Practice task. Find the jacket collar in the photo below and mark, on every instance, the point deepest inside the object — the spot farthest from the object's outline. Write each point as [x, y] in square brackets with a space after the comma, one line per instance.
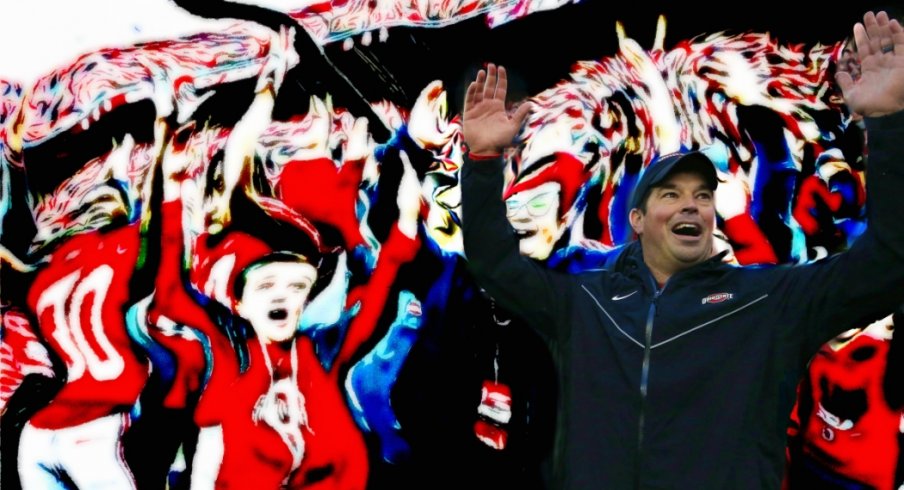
[630, 263]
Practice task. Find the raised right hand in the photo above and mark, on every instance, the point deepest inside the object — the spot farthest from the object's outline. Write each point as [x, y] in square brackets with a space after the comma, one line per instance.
[880, 89]
[487, 127]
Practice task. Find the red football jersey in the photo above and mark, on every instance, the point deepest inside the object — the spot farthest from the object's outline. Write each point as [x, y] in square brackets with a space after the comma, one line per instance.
[79, 299]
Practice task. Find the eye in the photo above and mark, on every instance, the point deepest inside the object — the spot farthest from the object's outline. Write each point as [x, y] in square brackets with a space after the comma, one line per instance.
[706, 196]
[299, 286]
[264, 285]
[669, 195]
[539, 205]
[863, 353]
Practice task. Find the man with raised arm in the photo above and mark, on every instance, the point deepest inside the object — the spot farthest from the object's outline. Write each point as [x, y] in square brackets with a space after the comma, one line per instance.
[677, 370]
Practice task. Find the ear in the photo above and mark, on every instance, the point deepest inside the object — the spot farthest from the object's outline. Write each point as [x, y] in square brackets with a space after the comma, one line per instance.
[636, 217]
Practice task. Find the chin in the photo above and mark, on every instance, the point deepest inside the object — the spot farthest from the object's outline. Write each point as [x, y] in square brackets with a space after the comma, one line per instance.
[281, 338]
[527, 252]
[530, 247]
[696, 258]
[278, 336]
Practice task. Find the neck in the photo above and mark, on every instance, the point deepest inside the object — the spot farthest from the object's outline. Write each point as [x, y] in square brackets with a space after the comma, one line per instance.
[279, 358]
[660, 270]
[278, 346]
[659, 274]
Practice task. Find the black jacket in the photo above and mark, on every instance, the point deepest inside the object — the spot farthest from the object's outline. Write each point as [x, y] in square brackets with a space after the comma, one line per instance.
[690, 386]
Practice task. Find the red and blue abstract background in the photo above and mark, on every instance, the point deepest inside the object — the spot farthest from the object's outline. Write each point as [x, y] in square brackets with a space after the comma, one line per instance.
[139, 179]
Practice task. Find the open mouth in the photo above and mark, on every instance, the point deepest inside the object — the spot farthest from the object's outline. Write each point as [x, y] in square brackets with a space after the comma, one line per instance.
[834, 420]
[278, 314]
[687, 229]
[841, 408]
[523, 234]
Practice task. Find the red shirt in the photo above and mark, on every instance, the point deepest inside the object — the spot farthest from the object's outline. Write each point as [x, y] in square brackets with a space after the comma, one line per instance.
[80, 299]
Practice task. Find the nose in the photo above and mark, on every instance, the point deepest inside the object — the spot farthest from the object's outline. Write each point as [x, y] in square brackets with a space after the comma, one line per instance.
[689, 204]
[521, 216]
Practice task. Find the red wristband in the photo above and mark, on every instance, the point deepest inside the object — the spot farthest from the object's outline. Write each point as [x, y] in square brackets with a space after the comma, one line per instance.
[483, 156]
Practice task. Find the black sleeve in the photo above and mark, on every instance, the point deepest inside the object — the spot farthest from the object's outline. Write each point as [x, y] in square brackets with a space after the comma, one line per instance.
[524, 287]
[866, 282]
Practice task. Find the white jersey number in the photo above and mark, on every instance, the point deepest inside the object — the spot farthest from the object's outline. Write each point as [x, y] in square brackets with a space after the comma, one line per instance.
[71, 335]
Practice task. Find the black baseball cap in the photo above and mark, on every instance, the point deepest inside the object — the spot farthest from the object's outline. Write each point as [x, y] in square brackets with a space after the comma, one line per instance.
[666, 165]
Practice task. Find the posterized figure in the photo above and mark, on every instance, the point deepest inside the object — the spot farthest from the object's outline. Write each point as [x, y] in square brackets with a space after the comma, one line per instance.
[83, 136]
[269, 414]
[850, 405]
[301, 419]
[473, 384]
[328, 173]
[370, 381]
[740, 235]
[829, 204]
[78, 299]
[88, 237]
[395, 350]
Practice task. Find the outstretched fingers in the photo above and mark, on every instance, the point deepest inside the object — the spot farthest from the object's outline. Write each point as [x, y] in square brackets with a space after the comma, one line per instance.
[489, 86]
[471, 95]
[521, 113]
[871, 25]
[475, 90]
[501, 84]
[881, 34]
[880, 46]
[861, 39]
[897, 35]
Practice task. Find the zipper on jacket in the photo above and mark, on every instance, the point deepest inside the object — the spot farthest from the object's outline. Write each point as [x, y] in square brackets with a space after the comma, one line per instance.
[644, 381]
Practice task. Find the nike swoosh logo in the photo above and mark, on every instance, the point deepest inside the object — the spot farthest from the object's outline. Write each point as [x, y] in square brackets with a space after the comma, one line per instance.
[620, 297]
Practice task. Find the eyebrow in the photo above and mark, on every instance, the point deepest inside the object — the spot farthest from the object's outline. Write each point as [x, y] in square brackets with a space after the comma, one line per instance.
[521, 199]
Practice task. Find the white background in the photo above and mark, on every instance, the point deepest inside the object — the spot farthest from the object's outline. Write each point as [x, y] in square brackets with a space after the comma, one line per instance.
[39, 35]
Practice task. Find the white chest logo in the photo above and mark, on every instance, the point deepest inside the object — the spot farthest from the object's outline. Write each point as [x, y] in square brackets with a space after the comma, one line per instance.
[619, 297]
[282, 408]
